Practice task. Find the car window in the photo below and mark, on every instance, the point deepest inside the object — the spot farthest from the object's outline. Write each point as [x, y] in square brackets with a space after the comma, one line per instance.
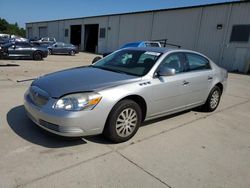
[148, 56]
[135, 44]
[51, 39]
[152, 44]
[23, 45]
[174, 61]
[59, 44]
[197, 62]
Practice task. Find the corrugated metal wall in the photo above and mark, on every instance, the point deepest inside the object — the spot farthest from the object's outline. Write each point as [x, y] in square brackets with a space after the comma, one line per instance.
[192, 28]
[210, 39]
[113, 31]
[178, 26]
[135, 27]
[240, 14]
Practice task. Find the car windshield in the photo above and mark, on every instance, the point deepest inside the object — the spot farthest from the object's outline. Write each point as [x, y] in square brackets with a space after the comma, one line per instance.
[133, 62]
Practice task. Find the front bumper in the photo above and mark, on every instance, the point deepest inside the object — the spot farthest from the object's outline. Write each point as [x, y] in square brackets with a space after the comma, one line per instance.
[64, 123]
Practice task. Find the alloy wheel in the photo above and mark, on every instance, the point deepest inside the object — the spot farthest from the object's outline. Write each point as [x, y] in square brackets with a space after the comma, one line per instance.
[126, 122]
[214, 101]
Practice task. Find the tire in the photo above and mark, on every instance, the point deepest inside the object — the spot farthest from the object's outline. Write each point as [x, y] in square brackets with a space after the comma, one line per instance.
[37, 56]
[123, 122]
[50, 52]
[213, 100]
[96, 59]
[72, 52]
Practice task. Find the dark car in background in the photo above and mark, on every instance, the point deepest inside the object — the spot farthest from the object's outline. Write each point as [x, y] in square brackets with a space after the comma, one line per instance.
[23, 50]
[3, 40]
[62, 48]
[43, 41]
[47, 40]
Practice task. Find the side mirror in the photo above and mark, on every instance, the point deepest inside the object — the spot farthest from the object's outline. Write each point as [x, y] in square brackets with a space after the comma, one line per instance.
[166, 72]
[96, 59]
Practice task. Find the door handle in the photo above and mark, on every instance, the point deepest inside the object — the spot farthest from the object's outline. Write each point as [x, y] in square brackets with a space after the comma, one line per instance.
[209, 78]
[185, 83]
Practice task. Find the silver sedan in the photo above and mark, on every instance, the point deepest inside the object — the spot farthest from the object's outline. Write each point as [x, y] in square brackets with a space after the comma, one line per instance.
[116, 94]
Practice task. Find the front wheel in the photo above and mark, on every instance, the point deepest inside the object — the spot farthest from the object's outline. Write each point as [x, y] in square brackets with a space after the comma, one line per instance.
[37, 56]
[213, 100]
[123, 121]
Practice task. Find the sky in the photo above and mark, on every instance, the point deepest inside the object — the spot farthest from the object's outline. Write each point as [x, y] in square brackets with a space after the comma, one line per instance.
[23, 11]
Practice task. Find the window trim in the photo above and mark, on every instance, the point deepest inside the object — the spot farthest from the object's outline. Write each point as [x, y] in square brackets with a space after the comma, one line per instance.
[187, 63]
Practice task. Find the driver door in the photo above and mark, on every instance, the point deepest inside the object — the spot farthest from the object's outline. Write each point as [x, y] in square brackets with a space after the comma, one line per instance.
[168, 92]
[19, 50]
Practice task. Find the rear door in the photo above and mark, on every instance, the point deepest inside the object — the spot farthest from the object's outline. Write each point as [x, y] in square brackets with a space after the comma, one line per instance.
[65, 48]
[58, 48]
[198, 78]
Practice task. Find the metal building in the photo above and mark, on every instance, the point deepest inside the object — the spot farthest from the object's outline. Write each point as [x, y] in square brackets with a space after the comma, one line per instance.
[220, 31]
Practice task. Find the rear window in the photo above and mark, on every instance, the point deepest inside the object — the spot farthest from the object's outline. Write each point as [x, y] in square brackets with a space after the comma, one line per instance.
[197, 62]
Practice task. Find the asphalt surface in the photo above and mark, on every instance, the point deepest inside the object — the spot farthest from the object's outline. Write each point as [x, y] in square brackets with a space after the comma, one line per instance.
[189, 149]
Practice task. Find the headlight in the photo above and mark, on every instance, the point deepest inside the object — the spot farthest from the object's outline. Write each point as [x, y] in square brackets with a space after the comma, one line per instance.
[78, 101]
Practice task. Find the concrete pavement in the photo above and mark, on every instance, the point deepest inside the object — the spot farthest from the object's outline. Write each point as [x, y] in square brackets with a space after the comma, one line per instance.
[190, 149]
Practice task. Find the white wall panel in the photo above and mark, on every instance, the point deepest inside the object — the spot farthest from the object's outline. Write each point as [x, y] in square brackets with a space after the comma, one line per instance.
[135, 27]
[210, 40]
[178, 26]
[240, 14]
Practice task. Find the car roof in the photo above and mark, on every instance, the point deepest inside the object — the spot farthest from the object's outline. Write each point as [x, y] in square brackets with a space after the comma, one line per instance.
[152, 49]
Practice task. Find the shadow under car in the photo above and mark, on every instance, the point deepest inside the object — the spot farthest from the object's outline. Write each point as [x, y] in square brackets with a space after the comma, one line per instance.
[25, 128]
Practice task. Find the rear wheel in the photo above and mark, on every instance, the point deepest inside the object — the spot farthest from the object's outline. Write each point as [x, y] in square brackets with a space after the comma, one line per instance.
[50, 52]
[213, 100]
[37, 56]
[72, 52]
[96, 59]
[123, 121]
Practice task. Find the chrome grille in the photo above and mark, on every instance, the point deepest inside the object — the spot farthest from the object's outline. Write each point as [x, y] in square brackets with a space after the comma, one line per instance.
[38, 96]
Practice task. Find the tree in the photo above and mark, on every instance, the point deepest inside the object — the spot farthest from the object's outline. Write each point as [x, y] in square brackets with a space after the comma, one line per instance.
[12, 29]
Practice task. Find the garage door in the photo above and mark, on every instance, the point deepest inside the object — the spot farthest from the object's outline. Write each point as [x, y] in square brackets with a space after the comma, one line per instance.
[43, 32]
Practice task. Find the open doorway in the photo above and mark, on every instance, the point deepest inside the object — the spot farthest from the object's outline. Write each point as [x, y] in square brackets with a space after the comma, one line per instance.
[76, 35]
[91, 38]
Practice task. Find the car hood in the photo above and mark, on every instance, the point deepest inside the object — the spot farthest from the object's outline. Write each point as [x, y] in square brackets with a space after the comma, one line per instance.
[81, 79]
